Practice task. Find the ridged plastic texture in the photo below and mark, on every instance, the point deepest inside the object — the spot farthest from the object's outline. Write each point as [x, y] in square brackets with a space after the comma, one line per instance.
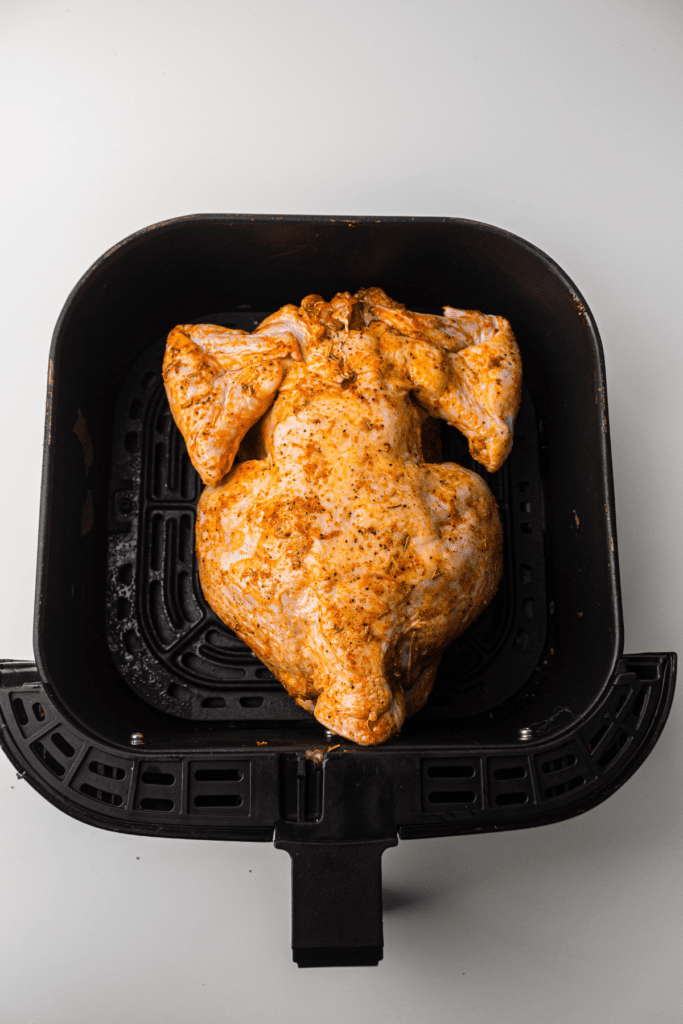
[248, 791]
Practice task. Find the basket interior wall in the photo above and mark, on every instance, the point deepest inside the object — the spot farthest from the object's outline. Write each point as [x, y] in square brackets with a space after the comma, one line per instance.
[176, 273]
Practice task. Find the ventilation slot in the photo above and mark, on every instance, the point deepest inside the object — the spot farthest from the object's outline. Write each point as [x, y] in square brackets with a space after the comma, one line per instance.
[179, 692]
[48, 759]
[564, 787]
[103, 780]
[215, 669]
[159, 787]
[613, 750]
[251, 702]
[558, 764]
[221, 788]
[450, 771]
[156, 548]
[218, 800]
[152, 777]
[599, 735]
[159, 470]
[459, 796]
[154, 803]
[186, 598]
[101, 794]
[107, 771]
[185, 540]
[441, 791]
[62, 745]
[620, 703]
[29, 713]
[19, 711]
[638, 707]
[164, 420]
[518, 772]
[126, 574]
[165, 631]
[188, 477]
[225, 642]
[175, 446]
[132, 641]
[505, 799]
[218, 775]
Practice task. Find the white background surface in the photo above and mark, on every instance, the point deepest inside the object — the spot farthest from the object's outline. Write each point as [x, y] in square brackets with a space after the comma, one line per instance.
[558, 121]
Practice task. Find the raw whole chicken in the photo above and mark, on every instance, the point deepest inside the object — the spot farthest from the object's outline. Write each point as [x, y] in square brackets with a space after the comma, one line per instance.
[330, 545]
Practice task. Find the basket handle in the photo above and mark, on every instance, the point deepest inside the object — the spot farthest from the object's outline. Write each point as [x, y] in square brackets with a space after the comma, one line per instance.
[336, 902]
[337, 861]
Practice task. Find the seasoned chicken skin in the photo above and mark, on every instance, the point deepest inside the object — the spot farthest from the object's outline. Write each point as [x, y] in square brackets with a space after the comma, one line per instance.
[343, 558]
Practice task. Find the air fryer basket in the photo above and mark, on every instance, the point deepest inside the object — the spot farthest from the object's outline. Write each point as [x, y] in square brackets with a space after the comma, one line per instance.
[146, 714]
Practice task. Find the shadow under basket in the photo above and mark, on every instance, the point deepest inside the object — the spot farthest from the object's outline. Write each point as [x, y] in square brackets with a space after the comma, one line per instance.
[145, 714]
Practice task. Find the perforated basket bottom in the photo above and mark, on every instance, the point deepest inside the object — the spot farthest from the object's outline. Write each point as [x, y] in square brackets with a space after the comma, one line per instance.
[171, 648]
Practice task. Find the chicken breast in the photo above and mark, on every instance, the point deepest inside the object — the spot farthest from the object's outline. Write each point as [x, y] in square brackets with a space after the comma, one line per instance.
[334, 550]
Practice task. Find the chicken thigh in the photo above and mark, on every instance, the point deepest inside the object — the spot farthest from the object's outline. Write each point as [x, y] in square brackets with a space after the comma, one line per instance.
[344, 559]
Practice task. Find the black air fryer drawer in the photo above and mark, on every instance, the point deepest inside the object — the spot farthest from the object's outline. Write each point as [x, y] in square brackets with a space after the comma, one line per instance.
[146, 715]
